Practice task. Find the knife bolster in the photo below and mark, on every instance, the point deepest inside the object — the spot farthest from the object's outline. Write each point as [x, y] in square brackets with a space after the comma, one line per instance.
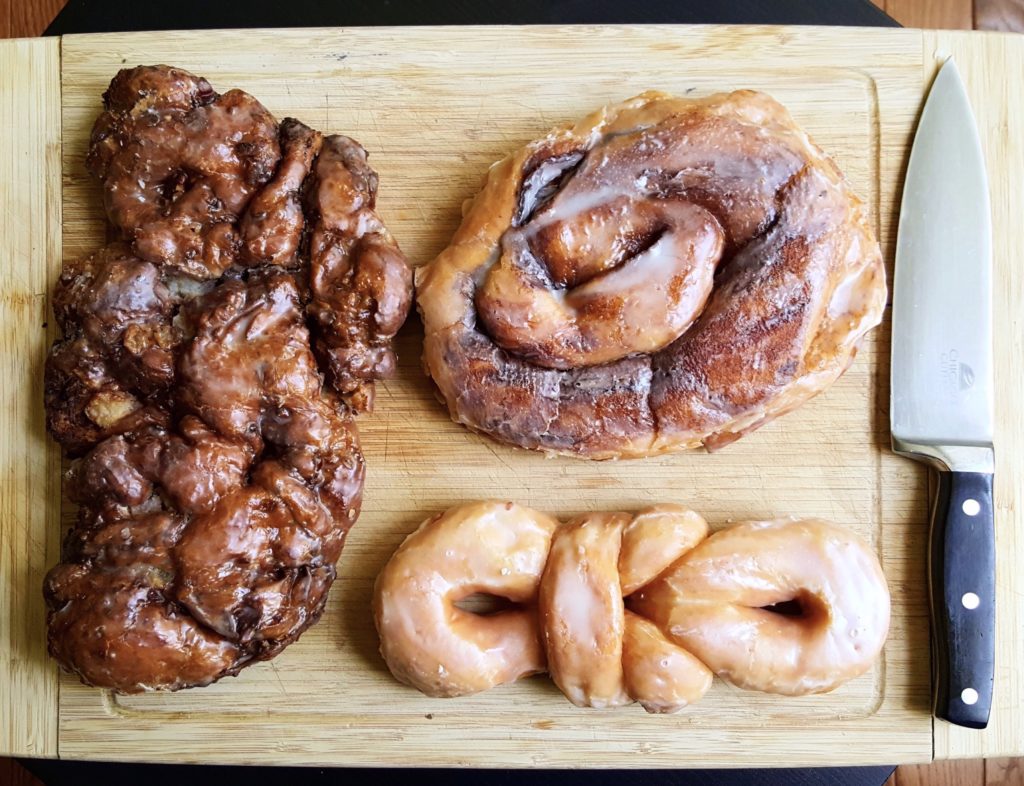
[948, 458]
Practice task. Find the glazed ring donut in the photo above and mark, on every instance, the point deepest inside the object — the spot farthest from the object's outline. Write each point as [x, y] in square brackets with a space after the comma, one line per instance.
[667, 273]
[717, 602]
[621, 608]
[415, 599]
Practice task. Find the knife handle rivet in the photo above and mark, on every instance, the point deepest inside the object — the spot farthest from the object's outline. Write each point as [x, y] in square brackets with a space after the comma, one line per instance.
[969, 696]
[970, 600]
[971, 507]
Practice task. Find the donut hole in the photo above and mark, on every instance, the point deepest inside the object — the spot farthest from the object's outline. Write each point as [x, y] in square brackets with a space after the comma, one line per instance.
[803, 606]
[174, 185]
[787, 608]
[485, 604]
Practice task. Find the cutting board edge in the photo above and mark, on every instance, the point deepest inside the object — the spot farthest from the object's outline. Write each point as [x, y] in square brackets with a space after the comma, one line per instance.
[30, 194]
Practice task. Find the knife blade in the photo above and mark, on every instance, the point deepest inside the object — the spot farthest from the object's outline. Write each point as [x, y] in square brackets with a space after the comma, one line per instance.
[942, 387]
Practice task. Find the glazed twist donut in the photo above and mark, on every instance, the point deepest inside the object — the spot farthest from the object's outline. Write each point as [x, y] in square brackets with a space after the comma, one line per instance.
[667, 273]
[788, 606]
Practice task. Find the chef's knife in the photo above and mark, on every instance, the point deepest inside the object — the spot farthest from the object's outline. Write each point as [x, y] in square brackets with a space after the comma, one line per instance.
[942, 386]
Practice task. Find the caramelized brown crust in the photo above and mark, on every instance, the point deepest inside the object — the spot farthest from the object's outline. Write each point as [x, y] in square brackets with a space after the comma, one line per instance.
[665, 274]
[218, 476]
[273, 225]
[361, 287]
[113, 368]
[179, 163]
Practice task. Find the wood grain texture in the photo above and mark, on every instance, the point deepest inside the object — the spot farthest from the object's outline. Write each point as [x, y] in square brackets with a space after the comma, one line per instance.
[13, 774]
[944, 14]
[1004, 772]
[27, 18]
[30, 17]
[29, 463]
[941, 773]
[960, 772]
[435, 107]
[1007, 15]
[947, 14]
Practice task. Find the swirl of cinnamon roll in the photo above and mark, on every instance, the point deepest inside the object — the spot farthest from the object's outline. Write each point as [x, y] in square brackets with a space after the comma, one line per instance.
[664, 274]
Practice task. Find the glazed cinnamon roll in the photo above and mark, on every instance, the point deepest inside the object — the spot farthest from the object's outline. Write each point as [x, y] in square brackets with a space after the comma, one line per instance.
[666, 273]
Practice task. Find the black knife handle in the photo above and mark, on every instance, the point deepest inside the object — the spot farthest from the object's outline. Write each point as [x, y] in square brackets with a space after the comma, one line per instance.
[963, 585]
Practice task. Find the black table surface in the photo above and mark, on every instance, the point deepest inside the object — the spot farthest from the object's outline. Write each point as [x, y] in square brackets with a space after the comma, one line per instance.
[96, 16]
[102, 16]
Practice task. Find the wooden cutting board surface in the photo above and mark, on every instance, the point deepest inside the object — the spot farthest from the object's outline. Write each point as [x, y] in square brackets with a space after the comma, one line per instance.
[436, 106]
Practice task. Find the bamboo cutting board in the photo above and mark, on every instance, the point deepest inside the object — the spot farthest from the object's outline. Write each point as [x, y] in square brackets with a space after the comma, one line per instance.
[435, 106]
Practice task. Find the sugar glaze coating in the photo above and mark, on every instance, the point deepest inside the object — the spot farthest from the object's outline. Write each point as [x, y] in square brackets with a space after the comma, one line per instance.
[666, 273]
[622, 608]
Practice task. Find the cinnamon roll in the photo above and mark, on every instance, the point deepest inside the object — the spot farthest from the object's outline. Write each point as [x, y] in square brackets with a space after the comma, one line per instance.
[664, 274]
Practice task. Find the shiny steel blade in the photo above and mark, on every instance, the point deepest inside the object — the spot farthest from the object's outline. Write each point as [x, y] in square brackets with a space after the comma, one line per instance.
[942, 293]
